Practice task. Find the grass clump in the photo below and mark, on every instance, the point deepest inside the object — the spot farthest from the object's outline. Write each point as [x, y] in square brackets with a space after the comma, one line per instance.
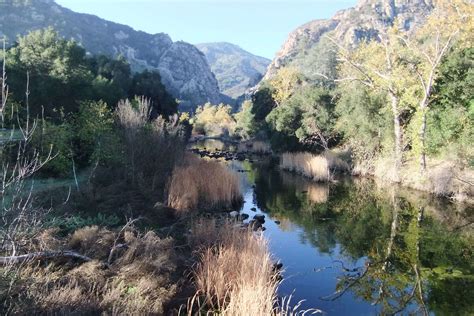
[235, 274]
[317, 167]
[200, 184]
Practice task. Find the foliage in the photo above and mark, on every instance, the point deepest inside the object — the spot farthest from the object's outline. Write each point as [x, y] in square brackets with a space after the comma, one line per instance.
[58, 73]
[263, 102]
[113, 78]
[246, 126]
[363, 120]
[214, 120]
[93, 124]
[450, 123]
[307, 115]
[56, 139]
[148, 84]
[284, 83]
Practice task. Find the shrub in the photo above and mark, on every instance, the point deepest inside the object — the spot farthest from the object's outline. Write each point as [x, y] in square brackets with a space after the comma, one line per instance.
[203, 184]
[152, 147]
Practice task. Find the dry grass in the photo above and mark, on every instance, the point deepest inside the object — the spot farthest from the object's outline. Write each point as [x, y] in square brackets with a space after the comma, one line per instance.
[137, 281]
[442, 178]
[317, 167]
[309, 165]
[203, 184]
[235, 274]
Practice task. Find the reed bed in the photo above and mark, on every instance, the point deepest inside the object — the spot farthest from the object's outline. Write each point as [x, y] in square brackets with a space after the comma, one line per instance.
[201, 184]
[235, 274]
[309, 165]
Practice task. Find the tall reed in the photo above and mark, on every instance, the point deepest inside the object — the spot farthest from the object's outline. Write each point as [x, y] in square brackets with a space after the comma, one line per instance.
[235, 274]
[203, 184]
[309, 165]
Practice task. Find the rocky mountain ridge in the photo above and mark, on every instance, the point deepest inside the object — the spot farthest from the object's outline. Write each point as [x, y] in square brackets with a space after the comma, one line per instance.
[184, 69]
[349, 27]
[236, 69]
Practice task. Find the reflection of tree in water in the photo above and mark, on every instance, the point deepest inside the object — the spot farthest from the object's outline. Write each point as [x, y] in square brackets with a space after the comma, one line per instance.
[414, 263]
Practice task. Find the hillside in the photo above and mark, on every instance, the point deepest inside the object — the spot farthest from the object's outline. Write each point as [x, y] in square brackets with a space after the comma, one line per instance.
[236, 69]
[184, 69]
[309, 49]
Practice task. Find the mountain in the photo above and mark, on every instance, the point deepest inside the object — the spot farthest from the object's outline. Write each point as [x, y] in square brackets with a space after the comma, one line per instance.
[309, 49]
[183, 68]
[236, 69]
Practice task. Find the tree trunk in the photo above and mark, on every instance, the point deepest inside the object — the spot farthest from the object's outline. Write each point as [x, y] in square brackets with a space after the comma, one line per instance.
[397, 129]
[422, 137]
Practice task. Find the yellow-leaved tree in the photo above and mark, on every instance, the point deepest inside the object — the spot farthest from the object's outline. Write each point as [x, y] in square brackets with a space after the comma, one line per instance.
[449, 25]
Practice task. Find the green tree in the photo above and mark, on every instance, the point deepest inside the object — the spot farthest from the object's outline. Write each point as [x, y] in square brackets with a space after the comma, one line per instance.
[263, 102]
[364, 121]
[307, 115]
[450, 122]
[246, 126]
[113, 78]
[57, 71]
[149, 85]
[93, 127]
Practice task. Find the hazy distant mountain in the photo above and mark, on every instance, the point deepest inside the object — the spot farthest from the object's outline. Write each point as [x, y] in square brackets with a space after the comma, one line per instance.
[308, 49]
[184, 69]
[236, 69]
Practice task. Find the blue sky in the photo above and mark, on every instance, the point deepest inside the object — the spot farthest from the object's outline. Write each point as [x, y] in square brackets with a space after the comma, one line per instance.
[259, 26]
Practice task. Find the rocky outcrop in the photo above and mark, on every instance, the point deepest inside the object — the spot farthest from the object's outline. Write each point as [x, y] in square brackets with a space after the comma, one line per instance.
[236, 69]
[185, 71]
[349, 27]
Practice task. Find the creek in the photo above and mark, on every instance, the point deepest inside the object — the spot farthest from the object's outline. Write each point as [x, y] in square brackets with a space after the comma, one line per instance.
[358, 247]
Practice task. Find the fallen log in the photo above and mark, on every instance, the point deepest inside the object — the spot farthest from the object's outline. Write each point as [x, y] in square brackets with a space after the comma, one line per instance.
[43, 255]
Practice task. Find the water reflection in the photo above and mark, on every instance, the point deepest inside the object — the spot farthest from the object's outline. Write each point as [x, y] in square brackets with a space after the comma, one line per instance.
[393, 251]
[357, 247]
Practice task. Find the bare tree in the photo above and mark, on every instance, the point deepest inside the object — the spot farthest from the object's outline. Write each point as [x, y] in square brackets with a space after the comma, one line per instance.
[19, 162]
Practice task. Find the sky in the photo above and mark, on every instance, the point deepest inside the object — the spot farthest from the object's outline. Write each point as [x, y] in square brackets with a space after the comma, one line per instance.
[258, 26]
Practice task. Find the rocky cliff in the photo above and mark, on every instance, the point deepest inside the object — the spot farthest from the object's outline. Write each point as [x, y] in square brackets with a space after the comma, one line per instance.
[236, 69]
[184, 69]
[347, 27]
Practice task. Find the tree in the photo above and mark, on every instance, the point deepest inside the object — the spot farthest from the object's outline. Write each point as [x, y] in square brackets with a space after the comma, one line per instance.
[57, 70]
[214, 120]
[113, 78]
[381, 66]
[449, 122]
[284, 83]
[263, 102]
[148, 84]
[425, 52]
[307, 115]
[246, 126]
[364, 120]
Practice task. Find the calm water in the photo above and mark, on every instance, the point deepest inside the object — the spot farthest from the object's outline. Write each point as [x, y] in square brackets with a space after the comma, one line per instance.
[355, 248]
